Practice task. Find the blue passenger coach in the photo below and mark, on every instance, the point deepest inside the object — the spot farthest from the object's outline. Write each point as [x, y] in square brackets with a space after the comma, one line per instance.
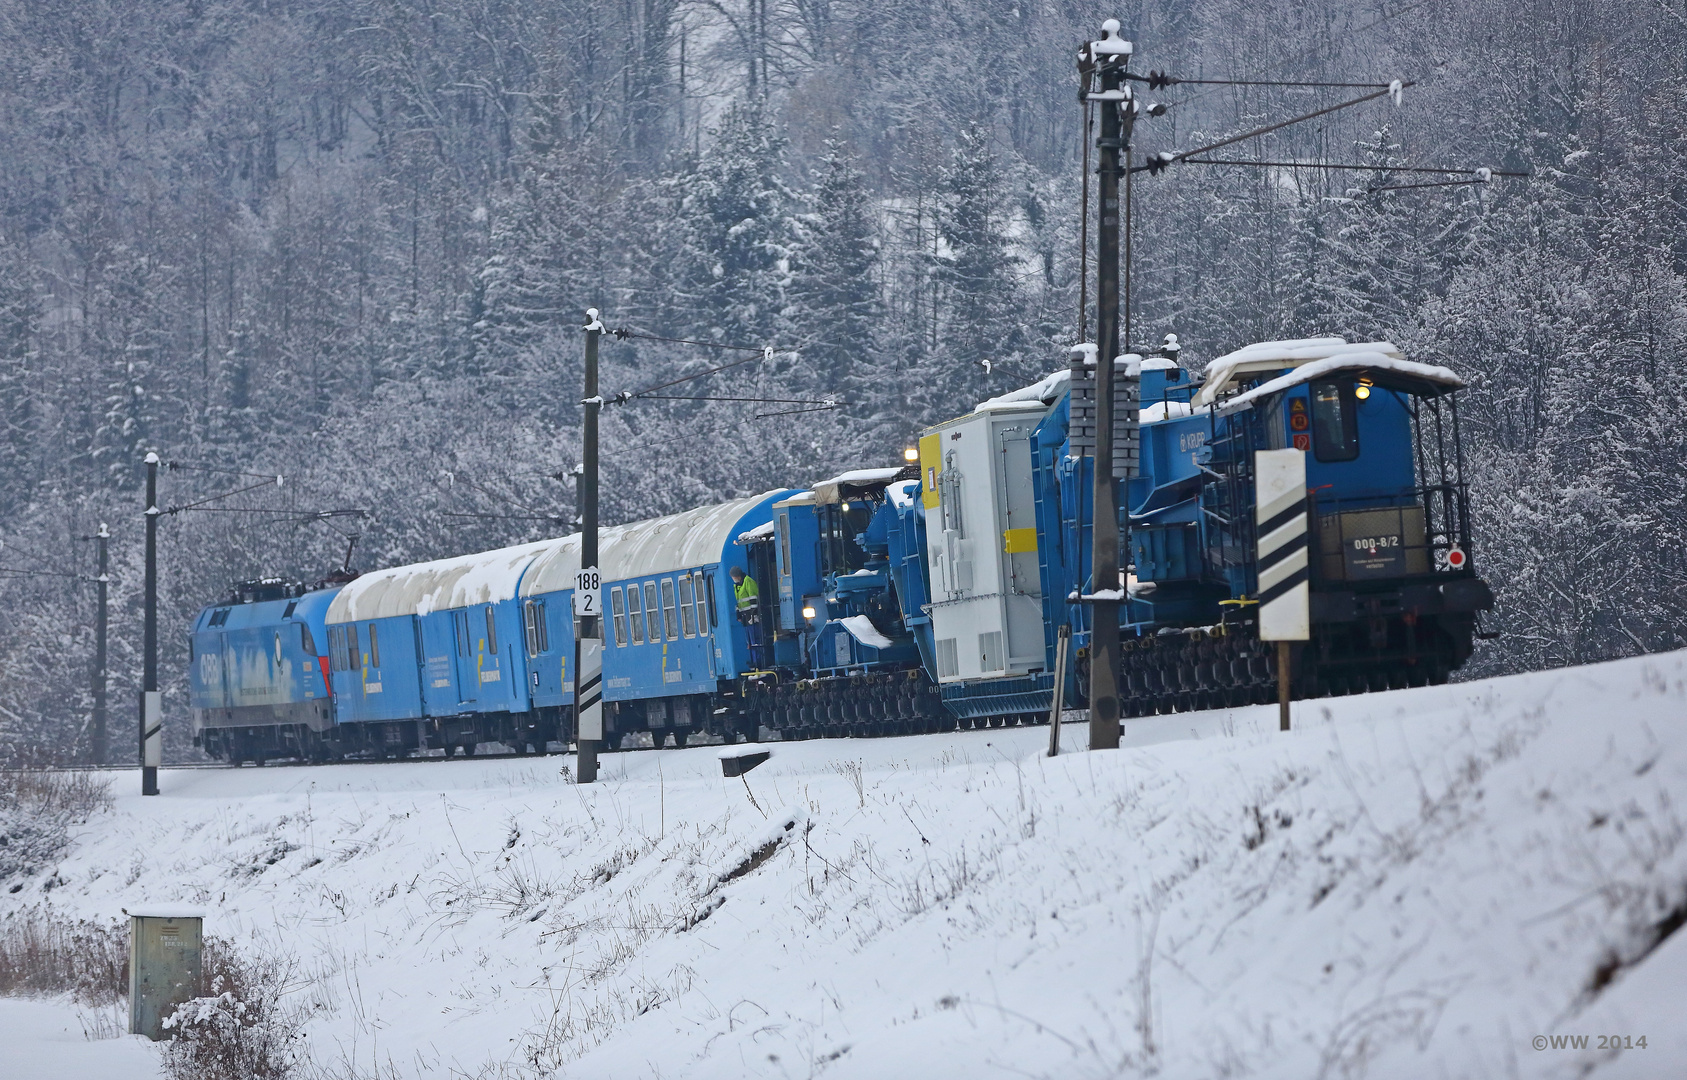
[671, 634]
[434, 655]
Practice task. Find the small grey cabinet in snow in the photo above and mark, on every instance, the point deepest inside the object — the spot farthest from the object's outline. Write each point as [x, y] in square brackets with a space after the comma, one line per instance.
[164, 964]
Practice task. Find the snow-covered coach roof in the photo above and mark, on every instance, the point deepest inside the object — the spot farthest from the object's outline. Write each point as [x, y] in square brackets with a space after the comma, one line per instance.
[482, 578]
[693, 538]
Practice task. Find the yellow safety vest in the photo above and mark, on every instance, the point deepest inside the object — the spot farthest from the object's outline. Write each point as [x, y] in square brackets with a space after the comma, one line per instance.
[746, 593]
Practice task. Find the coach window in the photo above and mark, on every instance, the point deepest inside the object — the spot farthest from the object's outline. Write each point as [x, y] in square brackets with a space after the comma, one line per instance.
[651, 612]
[352, 660]
[1335, 421]
[461, 620]
[687, 612]
[670, 619]
[702, 603]
[306, 640]
[618, 615]
[785, 545]
[709, 591]
[635, 614]
[533, 612]
[374, 648]
[491, 632]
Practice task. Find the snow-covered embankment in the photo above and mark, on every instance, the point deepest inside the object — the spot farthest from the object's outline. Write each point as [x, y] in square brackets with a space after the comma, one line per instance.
[1416, 883]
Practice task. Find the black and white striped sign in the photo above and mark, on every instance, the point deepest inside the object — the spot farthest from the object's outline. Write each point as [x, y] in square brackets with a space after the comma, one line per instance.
[1280, 514]
[588, 696]
[152, 732]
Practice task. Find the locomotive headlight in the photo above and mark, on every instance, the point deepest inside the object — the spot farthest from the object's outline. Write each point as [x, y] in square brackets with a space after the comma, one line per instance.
[910, 454]
[808, 613]
[1362, 391]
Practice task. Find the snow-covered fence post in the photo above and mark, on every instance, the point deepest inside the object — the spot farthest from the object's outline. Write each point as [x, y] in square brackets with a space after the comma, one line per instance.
[1281, 542]
[1063, 644]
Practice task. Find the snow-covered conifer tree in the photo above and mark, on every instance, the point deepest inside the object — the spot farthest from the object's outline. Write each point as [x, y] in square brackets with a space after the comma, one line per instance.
[836, 309]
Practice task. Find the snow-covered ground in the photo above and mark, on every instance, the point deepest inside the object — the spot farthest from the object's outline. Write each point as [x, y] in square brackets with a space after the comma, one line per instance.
[1411, 884]
[54, 1040]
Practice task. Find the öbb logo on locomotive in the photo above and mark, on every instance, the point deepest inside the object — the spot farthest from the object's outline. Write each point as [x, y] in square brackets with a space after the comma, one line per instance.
[922, 596]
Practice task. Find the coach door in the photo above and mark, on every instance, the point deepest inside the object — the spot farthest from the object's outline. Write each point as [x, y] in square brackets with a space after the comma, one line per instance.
[468, 671]
[439, 662]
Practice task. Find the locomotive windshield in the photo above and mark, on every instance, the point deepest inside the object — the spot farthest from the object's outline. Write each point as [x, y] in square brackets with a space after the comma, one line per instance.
[1335, 421]
[839, 525]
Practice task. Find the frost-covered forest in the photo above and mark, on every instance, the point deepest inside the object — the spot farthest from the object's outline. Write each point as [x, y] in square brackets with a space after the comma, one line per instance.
[352, 244]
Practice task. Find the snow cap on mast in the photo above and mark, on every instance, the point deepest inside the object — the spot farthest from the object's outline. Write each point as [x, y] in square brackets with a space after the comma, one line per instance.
[1111, 44]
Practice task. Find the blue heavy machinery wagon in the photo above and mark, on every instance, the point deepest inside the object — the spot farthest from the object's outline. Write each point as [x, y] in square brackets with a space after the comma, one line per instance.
[1392, 595]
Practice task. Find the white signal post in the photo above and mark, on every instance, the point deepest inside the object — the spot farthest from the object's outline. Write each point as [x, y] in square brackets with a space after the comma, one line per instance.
[1284, 593]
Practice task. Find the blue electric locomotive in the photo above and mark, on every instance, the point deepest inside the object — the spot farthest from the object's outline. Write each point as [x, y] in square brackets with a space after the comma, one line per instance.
[258, 685]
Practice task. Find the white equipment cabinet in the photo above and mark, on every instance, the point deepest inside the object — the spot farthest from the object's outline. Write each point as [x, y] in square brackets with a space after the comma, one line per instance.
[981, 533]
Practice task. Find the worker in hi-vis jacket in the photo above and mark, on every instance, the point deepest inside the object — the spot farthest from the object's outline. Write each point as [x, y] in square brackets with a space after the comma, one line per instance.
[745, 591]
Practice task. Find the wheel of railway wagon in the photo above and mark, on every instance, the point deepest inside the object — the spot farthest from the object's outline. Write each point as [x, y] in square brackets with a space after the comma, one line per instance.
[468, 749]
[679, 739]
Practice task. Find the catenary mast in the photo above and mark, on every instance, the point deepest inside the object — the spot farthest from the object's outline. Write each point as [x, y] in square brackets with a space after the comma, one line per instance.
[1104, 63]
